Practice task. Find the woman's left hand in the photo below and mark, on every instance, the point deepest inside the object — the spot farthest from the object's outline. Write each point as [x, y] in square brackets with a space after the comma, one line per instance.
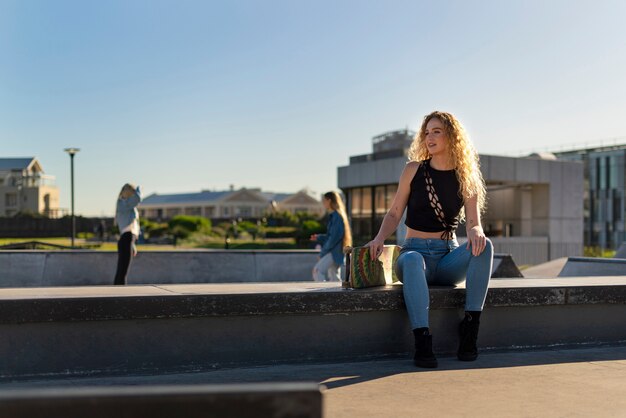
[477, 240]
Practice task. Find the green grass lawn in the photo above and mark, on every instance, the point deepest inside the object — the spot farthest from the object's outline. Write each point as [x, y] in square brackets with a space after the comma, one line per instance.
[105, 246]
[212, 243]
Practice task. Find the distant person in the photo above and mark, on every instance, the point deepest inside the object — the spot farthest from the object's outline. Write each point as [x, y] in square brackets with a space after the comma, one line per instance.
[338, 235]
[127, 220]
[440, 186]
[100, 228]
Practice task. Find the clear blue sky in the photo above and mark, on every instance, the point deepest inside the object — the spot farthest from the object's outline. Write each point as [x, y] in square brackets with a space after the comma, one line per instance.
[185, 95]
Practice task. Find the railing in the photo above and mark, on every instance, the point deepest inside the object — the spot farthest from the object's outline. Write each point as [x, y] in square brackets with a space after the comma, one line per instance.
[31, 181]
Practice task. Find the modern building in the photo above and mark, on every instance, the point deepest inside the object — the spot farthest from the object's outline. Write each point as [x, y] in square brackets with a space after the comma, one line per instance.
[25, 188]
[604, 197]
[534, 204]
[243, 203]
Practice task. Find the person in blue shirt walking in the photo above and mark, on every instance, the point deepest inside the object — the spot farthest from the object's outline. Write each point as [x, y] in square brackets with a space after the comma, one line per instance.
[338, 235]
[127, 220]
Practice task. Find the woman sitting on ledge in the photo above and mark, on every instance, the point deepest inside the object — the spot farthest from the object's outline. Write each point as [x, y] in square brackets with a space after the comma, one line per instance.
[440, 186]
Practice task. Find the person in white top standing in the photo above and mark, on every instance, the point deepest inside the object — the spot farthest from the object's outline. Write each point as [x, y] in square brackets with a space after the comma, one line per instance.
[127, 220]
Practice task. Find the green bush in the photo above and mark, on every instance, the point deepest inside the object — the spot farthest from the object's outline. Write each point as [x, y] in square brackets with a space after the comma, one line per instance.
[306, 229]
[284, 218]
[305, 216]
[182, 226]
[191, 223]
[153, 229]
[598, 252]
[280, 232]
[255, 230]
[246, 225]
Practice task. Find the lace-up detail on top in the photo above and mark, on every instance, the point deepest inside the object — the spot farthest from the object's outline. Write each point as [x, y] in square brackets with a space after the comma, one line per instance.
[434, 203]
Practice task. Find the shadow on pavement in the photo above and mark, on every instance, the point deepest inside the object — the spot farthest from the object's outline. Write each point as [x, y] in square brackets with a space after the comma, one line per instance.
[337, 375]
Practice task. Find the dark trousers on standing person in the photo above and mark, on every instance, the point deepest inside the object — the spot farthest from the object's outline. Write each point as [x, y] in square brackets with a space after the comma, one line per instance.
[124, 255]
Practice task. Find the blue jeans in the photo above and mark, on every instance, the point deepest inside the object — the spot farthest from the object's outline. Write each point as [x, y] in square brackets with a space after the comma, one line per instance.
[436, 262]
[326, 270]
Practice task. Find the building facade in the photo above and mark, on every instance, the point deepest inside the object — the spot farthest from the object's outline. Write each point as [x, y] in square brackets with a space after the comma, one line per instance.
[24, 187]
[604, 198]
[243, 203]
[534, 205]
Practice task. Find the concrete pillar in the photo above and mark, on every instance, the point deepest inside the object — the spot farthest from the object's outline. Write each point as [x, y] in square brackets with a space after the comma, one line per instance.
[526, 212]
[540, 205]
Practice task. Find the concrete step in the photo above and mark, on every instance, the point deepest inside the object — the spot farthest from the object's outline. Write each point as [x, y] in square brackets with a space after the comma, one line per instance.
[180, 328]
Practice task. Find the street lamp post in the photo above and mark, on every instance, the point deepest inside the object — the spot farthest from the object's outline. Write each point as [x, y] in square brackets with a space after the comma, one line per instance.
[72, 152]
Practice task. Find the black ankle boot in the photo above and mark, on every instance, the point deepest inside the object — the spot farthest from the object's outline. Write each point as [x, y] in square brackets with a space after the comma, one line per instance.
[424, 356]
[468, 333]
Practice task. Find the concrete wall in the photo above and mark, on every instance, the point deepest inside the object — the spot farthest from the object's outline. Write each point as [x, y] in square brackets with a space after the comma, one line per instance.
[525, 250]
[78, 268]
[557, 198]
[89, 268]
[177, 328]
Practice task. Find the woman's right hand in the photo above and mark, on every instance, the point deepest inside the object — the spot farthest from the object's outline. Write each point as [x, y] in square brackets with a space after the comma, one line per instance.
[376, 247]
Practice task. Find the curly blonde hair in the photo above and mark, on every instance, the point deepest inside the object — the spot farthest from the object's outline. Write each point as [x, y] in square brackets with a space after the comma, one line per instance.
[462, 154]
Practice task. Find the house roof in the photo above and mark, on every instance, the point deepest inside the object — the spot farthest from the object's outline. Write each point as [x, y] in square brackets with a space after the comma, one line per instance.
[15, 163]
[204, 196]
[277, 197]
[208, 196]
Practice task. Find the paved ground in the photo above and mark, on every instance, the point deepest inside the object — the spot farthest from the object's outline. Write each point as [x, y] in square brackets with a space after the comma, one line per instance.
[582, 382]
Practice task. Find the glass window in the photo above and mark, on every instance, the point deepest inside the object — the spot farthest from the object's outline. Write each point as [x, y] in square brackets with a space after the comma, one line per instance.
[366, 208]
[593, 178]
[390, 194]
[614, 168]
[380, 206]
[355, 201]
[617, 205]
[10, 199]
[193, 211]
[171, 212]
[602, 173]
[245, 211]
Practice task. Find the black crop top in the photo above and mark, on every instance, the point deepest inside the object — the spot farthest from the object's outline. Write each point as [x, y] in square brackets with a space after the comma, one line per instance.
[420, 215]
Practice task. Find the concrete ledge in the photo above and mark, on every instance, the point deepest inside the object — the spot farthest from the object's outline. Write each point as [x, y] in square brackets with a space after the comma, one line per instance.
[21, 306]
[242, 401]
[159, 329]
[591, 266]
